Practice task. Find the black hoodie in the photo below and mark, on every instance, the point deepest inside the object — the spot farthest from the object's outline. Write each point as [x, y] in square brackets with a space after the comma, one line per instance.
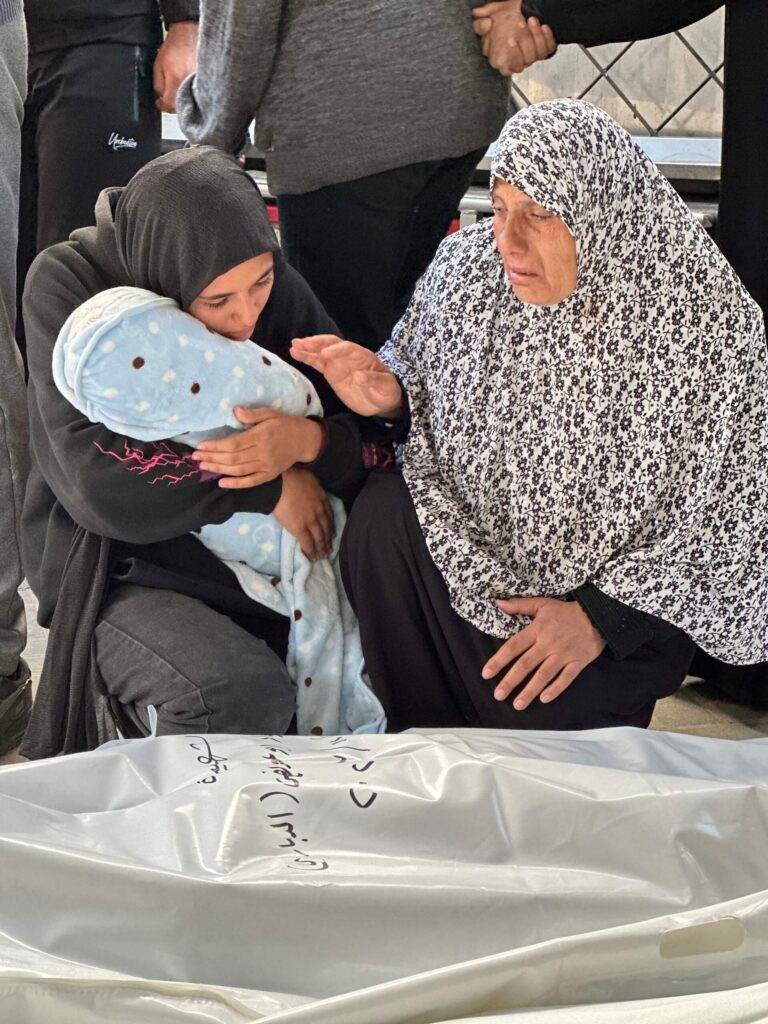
[55, 24]
[73, 482]
[99, 507]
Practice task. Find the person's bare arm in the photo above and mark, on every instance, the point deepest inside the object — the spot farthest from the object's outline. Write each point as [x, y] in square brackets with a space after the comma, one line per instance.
[176, 59]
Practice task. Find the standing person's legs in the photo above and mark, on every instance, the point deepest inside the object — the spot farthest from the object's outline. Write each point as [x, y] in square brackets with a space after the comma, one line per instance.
[742, 229]
[742, 233]
[361, 245]
[93, 124]
[15, 692]
[199, 670]
[424, 660]
[436, 208]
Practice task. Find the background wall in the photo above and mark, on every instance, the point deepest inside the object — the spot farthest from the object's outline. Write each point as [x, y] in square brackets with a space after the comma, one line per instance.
[668, 86]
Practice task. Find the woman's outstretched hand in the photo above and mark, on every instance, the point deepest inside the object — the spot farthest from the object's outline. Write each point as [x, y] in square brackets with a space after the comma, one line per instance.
[304, 511]
[552, 650]
[359, 378]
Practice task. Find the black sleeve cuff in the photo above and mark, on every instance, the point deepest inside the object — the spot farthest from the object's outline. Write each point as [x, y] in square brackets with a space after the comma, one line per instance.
[339, 465]
[179, 10]
[259, 499]
[624, 629]
[595, 22]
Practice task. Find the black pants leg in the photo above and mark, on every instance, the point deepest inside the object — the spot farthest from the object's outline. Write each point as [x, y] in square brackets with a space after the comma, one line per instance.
[363, 244]
[90, 123]
[742, 230]
[424, 661]
[201, 671]
[742, 233]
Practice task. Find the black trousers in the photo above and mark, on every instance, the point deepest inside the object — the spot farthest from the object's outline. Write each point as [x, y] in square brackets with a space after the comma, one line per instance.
[742, 229]
[90, 122]
[362, 245]
[200, 670]
[424, 660]
[176, 630]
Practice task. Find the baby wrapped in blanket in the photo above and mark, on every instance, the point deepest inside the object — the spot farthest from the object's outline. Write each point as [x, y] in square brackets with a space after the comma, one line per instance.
[133, 361]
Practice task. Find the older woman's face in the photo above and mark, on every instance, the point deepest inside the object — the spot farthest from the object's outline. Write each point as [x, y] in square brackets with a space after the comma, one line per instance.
[232, 303]
[537, 249]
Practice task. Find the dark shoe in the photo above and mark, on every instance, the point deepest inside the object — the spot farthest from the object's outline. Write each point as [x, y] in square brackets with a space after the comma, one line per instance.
[15, 708]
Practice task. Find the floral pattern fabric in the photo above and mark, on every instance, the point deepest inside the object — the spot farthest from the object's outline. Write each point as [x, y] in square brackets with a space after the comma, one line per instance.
[619, 437]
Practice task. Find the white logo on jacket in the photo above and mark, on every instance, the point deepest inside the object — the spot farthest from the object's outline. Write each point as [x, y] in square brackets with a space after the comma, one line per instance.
[117, 141]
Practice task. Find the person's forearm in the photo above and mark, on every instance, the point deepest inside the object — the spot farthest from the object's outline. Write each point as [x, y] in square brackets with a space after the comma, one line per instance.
[595, 22]
[238, 42]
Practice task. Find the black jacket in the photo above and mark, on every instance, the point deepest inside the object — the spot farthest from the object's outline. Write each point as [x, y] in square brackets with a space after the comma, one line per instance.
[594, 22]
[56, 24]
[97, 511]
[72, 483]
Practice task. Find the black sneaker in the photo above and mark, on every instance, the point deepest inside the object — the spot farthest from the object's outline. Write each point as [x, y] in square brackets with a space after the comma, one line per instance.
[15, 708]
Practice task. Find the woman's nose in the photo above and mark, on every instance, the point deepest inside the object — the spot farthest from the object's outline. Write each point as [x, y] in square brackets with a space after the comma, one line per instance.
[511, 239]
[247, 309]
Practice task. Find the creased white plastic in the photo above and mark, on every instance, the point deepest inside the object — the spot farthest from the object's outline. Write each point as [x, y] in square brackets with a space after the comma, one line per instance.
[382, 878]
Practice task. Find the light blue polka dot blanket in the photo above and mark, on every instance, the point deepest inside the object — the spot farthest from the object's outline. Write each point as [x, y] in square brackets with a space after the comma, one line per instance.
[136, 363]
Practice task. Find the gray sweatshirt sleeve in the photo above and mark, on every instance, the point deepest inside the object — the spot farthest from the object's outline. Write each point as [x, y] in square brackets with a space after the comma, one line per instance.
[237, 49]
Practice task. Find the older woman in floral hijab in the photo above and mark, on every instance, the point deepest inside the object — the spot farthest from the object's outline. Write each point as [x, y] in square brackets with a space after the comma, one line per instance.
[584, 388]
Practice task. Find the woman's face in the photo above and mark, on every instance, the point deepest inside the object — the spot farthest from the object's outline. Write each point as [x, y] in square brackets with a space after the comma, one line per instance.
[537, 249]
[231, 304]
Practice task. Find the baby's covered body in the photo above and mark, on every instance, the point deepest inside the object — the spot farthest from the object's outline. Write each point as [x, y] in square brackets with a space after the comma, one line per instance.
[133, 361]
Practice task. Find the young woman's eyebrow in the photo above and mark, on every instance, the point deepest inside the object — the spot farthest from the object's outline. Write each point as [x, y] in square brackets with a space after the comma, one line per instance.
[226, 295]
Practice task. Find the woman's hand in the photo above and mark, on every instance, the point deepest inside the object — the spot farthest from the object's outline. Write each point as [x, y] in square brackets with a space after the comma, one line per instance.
[552, 650]
[304, 511]
[359, 378]
[274, 443]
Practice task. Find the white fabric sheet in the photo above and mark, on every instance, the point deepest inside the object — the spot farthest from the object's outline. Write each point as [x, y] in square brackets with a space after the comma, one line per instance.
[414, 878]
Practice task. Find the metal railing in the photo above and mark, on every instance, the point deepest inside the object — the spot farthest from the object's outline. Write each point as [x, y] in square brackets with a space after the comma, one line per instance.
[671, 85]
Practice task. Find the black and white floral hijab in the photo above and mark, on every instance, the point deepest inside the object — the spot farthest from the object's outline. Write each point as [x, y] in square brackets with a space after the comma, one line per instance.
[618, 437]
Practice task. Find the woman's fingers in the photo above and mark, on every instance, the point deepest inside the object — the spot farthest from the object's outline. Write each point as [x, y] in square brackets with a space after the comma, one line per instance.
[239, 482]
[547, 671]
[508, 651]
[315, 343]
[321, 532]
[525, 665]
[560, 683]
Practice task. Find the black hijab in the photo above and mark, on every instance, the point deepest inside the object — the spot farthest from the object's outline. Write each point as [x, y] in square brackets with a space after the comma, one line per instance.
[188, 217]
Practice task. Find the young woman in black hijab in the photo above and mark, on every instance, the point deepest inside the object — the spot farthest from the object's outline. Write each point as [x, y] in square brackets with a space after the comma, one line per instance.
[140, 613]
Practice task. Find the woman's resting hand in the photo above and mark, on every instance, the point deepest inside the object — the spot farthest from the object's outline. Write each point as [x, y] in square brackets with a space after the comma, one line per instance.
[304, 511]
[274, 443]
[552, 650]
[360, 379]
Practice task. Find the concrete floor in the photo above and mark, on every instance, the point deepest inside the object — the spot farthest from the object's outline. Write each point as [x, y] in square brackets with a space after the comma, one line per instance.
[695, 709]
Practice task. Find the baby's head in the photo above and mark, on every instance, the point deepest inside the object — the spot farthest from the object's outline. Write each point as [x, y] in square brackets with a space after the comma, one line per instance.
[137, 363]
